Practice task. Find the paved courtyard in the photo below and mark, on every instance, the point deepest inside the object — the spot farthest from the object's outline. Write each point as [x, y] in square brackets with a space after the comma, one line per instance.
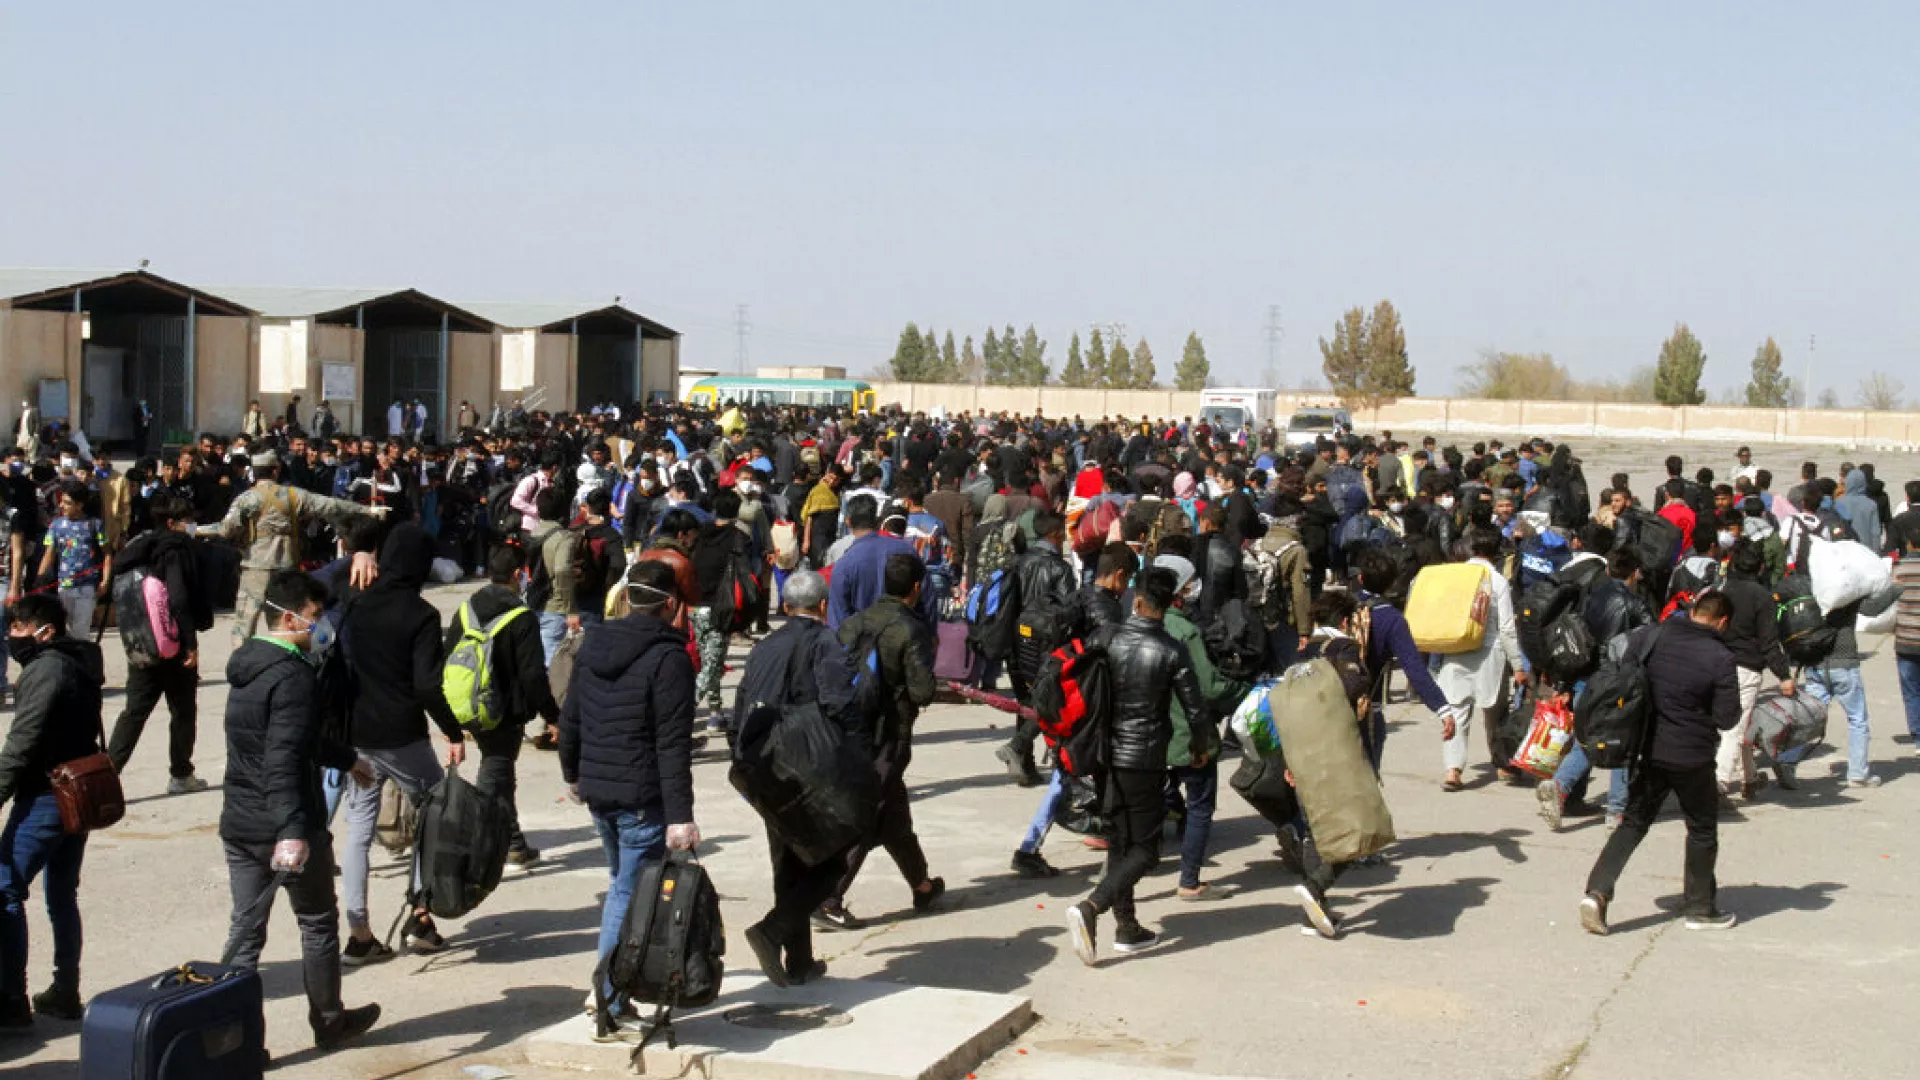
[1462, 955]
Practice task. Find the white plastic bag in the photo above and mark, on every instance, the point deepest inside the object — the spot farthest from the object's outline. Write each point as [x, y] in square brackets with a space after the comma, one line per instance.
[1844, 571]
[444, 571]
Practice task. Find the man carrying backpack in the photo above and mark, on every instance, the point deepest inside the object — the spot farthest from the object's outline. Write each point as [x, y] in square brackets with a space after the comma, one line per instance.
[626, 742]
[720, 545]
[800, 663]
[1148, 672]
[890, 644]
[552, 569]
[273, 818]
[1693, 695]
[166, 552]
[1045, 593]
[392, 638]
[1193, 774]
[495, 634]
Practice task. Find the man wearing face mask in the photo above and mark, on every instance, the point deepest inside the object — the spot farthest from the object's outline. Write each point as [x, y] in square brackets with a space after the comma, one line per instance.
[273, 819]
[56, 719]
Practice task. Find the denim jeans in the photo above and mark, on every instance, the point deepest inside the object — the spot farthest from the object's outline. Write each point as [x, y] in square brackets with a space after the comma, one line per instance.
[553, 631]
[416, 768]
[1828, 683]
[1043, 815]
[1909, 692]
[34, 841]
[1574, 772]
[630, 838]
[1202, 788]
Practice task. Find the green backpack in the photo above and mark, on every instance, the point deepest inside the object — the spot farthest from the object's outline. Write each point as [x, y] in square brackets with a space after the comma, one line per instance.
[467, 680]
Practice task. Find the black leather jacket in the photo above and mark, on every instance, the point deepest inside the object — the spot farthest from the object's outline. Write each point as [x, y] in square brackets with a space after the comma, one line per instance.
[1093, 608]
[1149, 670]
[1613, 610]
[1221, 578]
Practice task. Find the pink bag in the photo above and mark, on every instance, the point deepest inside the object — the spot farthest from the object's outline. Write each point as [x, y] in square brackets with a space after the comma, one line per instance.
[1547, 740]
[166, 632]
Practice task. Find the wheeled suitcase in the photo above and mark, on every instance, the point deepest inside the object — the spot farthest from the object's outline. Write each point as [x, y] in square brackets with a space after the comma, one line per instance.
[200, 1021]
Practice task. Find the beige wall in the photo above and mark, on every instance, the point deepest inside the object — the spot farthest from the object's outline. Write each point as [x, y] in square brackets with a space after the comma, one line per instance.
[336, 345]
[225, 371]
[473, 373]
[553, 368]
[659, 367]
[36, 345]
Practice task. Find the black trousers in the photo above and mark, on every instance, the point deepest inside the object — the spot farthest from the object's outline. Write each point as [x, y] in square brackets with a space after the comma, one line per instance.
[1023, 670]
[499, 751]
[249, 871]
[1137, 809]
[798, 890]
[1506, 725]
[146, 685]
[894, 832]
[1647, 788]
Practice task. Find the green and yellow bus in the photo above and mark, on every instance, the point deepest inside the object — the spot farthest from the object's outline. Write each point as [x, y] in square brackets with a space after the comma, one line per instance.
[718, 391]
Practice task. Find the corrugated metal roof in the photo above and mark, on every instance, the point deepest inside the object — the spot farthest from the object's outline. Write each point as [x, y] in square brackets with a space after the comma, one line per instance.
[295, 301]
[532, 316]
[18, 283]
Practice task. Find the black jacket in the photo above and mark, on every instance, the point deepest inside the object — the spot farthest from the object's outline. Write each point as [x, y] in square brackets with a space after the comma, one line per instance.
[1093, 608]
[56, 716]
[392, 638]
[1753, 634]
[169, 556]
[1046, 579]
[1696, 693]
[906, 665]
[1221, 578]
[520, 659]
[1613, 610]
[800, 662]
[1149, 669]
[626, 731]
[274, 748]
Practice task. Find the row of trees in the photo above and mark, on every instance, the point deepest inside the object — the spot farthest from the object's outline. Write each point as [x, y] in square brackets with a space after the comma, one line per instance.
[1007, 359]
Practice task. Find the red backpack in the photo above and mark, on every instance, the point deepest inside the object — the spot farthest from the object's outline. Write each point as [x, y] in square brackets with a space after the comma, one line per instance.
[1073, 698]
[1095, 526]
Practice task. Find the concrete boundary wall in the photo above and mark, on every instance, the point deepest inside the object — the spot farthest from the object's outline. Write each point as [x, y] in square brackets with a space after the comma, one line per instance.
[1452, 416]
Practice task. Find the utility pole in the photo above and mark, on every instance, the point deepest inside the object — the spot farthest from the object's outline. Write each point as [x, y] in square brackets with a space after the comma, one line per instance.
[1270, 378]
[1806, 389]
[740, 328]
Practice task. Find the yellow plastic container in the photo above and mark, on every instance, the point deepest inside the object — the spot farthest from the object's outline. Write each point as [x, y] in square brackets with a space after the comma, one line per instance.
[1447, 608]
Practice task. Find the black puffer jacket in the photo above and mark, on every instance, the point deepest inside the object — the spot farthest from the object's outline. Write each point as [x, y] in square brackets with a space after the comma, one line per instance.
[1149, 670]
[626, 731]
[1045, 578]
[520, 663]
[1614, 610]
[56, 716]
[274, 748]
[1696, 692]
[169, 556]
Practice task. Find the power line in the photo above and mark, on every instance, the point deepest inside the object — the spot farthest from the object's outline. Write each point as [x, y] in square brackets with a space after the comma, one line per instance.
[1271, 376]
[741, 327]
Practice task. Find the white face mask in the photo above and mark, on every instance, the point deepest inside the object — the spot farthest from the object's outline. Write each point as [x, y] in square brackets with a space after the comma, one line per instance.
[69, 463]
[1727, 539]
[1396, 507]
[1444, 502]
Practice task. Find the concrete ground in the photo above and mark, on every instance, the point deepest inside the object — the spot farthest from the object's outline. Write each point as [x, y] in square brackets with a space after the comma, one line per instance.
[1462, 956]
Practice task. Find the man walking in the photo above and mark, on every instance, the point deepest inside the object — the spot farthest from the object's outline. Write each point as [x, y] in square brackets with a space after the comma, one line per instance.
[894, 634]
[1694, 694]
[626, 744]
[273, 817]
[166, 552]
[1149, 671]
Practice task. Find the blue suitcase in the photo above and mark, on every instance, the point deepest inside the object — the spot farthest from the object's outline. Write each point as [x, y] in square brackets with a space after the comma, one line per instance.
[200, 1021]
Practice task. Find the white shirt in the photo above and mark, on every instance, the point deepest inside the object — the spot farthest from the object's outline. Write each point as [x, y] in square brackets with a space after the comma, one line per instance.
[1479, 676]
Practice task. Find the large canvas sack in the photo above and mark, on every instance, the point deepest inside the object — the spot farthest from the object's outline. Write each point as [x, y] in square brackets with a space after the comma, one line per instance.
[1782, 723]
[1845, 571]
[1447, 608]
[1320, 739]
[460, 849]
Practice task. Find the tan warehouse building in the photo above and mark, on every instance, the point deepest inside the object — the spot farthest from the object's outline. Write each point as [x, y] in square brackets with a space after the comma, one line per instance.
[85, 346]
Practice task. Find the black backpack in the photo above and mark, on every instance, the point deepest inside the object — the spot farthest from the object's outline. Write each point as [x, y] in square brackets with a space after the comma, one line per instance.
[1236, 642]
[460, 846]
[1805, 635]
[738, 594]
[869, 684]
[502, 516]
[1073, 700]
[1657, 541]
[1612, 718]
[672, 947]
[1552, 627]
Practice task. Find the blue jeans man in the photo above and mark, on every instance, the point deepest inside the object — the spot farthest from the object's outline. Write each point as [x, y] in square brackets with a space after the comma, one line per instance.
[630, 839]
[33, 841]
[1909, 692]
[1842, 684]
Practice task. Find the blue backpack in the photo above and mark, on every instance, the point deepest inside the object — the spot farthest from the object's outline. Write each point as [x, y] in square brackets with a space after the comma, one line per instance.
[993, 614]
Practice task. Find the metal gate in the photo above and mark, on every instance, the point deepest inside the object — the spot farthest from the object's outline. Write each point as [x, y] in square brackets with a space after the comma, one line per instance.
[607, 369]
[160, 350]
[403, 365]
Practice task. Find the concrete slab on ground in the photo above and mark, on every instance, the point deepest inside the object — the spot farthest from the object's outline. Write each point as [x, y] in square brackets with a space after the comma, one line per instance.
[858, 1030]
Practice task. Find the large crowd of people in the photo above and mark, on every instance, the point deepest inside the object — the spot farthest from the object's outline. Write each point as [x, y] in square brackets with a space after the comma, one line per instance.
[872, 563]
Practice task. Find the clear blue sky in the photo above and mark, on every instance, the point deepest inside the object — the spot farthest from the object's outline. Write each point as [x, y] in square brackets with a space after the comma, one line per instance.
[1521, 176]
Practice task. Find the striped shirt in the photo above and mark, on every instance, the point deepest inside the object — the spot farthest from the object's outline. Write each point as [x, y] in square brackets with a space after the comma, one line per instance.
[1906, 626]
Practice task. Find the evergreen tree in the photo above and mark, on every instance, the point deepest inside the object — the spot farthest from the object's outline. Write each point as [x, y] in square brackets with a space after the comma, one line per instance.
[1344, 359]
[1010, 355]
[1191, 374]
[1366, 361]
[996, 366]
[1075, 373]
[1768, 388]
[1676, 376]
[1033, 359]
[1145, 377]
[971, 369]
[949, 360]
[910, 356]
[1096, 359]
[1119, 366]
